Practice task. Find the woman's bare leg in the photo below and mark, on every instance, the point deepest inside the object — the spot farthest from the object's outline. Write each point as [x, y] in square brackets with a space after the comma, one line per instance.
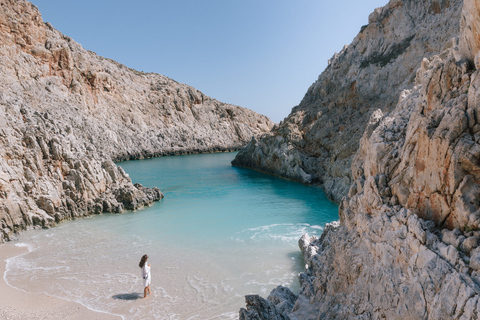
[145, 292]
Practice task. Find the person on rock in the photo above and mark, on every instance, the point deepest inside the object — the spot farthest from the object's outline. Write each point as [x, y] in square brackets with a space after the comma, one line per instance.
[147, 279]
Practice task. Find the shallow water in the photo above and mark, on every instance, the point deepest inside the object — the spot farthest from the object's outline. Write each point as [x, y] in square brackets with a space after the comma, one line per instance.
[221, 232]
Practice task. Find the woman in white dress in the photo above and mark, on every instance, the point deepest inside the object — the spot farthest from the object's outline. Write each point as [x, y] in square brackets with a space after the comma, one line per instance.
[147, 279]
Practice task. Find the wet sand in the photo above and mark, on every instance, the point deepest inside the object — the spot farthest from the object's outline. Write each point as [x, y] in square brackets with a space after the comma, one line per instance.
[17, 304]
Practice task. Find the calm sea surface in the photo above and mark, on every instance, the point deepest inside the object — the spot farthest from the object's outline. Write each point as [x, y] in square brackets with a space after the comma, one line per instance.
[221, 232]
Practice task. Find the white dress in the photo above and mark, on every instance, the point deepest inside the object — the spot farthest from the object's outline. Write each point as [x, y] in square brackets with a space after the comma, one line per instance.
[147, 279]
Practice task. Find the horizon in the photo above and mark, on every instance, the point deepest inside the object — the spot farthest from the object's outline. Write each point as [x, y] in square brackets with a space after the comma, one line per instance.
[244, 53]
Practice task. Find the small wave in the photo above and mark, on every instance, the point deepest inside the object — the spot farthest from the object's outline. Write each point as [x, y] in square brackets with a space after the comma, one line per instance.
[285, 279]
[228, 288]
[204, 288]
[46, 269]
[25, 245]
[226, 315]
[165, 296]
[285, 232]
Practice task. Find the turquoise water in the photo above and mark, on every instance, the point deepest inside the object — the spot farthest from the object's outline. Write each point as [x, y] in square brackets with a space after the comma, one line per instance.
[221, 232]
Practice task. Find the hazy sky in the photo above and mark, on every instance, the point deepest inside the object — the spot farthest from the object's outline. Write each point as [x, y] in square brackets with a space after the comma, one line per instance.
[258, 54]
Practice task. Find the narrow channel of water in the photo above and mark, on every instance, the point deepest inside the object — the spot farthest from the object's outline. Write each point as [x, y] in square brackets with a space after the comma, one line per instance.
[221, 232]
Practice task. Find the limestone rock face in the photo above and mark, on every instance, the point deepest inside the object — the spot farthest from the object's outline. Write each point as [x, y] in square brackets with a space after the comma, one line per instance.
[407, 243]
[316, 143]
[424, 155]
[67, 113]
[470, 36]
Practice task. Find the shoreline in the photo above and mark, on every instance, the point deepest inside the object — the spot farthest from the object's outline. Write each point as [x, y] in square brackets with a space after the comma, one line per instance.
[18, 304]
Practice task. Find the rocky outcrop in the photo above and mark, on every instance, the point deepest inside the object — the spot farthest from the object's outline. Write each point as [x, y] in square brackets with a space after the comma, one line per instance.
[67, 113]
[407, 244]
[316, 143]
[276, 307]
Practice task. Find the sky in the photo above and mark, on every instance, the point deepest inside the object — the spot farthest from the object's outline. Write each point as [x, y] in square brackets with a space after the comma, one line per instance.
[258, 54]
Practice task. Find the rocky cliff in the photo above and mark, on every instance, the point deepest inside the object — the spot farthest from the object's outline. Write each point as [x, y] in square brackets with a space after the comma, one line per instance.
[67, 113]
[316, 143]
[407, 244]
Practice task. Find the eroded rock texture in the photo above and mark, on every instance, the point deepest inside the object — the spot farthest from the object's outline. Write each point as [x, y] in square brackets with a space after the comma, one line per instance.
[318, 140]
[66, 113]
[407, 243]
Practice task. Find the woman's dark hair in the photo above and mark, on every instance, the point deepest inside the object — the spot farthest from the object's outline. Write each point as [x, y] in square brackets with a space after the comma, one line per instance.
[142, 261]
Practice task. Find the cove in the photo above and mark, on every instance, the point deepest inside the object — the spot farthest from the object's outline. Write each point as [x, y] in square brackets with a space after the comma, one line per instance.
[221, 232]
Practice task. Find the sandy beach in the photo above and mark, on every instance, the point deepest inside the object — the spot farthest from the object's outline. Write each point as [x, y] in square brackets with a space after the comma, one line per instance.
[17, 304]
